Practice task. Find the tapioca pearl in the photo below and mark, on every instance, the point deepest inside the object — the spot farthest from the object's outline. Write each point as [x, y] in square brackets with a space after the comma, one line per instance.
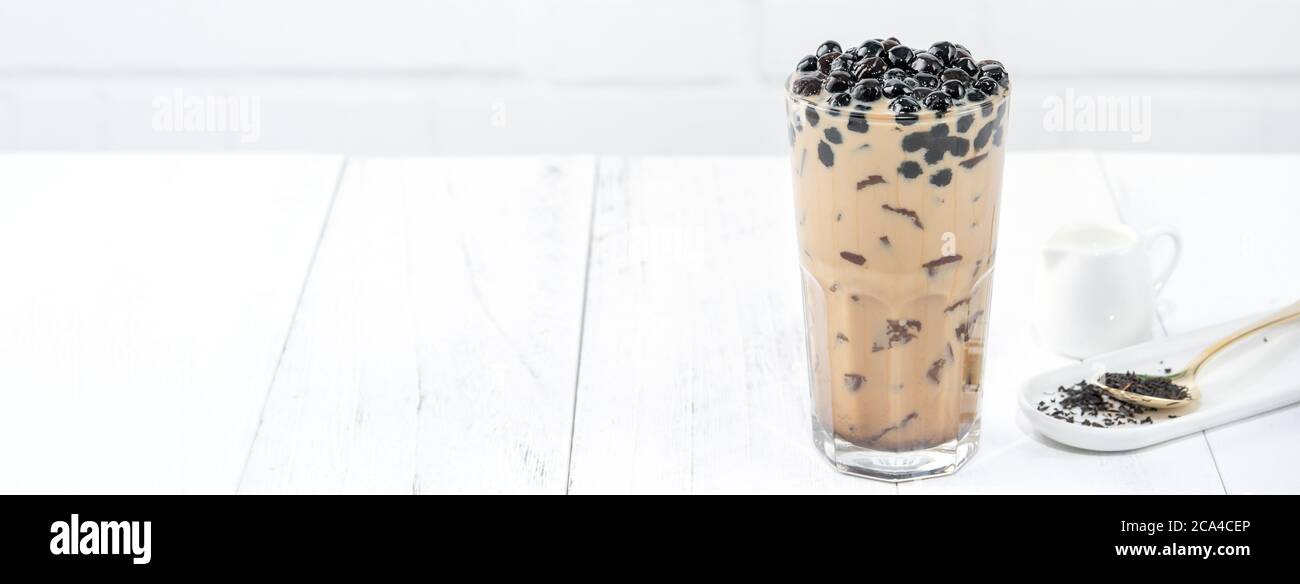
[824, 62]
[988, 86]
[910, 169]
[838, 82]
[811, 115]
[806, 86]
[895, 88]
[958, 146]
[866, 90]
[871, 47]
[986, 109]
[927, 63]
[1002, 109]
[921, 93]
[986, 132]
[915, 141]
[927, 80]
[955, 74]
[807, 64]
[899, 56]
[941, 178]
[964, 123]
[870, 68]
[937, 102]
[945, 51]
[858, 123]
[839, 100]
[829, 47]
[833, 136]
[968, 65]
[934, 154]
[825, 154]
[997, 136]
[939, 130]
[953, 88]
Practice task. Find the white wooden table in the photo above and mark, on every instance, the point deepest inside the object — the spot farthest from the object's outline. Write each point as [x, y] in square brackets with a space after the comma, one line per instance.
[277, 323]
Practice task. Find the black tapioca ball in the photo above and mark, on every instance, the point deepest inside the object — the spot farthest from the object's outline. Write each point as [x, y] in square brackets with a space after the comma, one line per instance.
[858, 123]
[871, 47]
[899, 56]
[958, 146]
[824, 62]
[866, 90]
[894, 73]
[842, 63]
[921, 93]
[964, 122]
[904, 105]
[807, 64]
[810, 114]
[839, 100]
[915, 141]
[806, 86]
[953, 88]
[961, 50]
[910, 169]
[905, 108]
[941, 178]
[829, 47]
[986, 132]
[955, 74]
[833, 136]
[986, 109]
[1002, 109]
[968, 65]
[993, 70]
[945, 51]
[895, 88]
[838, 82]
[927, 63]
[825, 154]
[935, 153]
[938, 101]
[889, 43]
[997, 136]
[974, 95]
[987, 86]
[870, 67]
[927, 80]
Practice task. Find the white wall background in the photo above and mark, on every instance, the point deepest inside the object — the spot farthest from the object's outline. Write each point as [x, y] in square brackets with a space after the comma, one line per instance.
[614, 76]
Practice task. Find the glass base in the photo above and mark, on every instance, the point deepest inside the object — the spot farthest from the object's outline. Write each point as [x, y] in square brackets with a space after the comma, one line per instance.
[896, 467]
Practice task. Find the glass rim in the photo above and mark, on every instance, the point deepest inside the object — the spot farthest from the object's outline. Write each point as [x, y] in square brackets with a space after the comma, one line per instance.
[884, 113]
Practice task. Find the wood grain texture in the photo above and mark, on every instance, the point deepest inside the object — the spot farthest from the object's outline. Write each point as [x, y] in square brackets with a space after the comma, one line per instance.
[436, 346]
[146, 299]
[693, 375]
[1237, 216]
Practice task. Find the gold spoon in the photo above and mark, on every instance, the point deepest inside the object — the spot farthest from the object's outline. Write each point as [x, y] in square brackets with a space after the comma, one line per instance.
[1187, 377]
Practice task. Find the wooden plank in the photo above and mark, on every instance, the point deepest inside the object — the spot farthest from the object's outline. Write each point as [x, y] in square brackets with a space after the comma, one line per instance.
[693, 374]
[437, 343]
[1236, 214]
[146, 301]
[1041, 192]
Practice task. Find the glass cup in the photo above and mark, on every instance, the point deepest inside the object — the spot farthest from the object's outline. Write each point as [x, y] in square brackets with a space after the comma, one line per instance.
[897, 222]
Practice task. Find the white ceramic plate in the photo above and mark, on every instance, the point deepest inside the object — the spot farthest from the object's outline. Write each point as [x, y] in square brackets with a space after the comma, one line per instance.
[1255, 375]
